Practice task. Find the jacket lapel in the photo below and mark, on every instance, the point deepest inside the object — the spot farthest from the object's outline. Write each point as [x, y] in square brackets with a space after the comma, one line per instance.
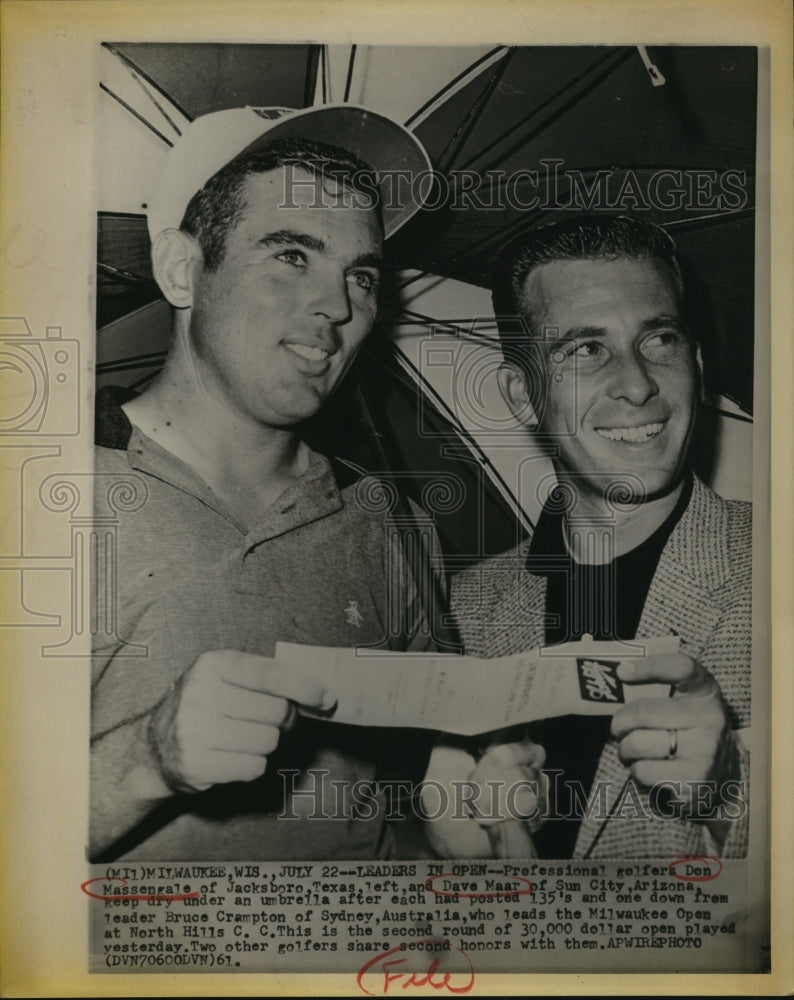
[501, 607]
[693, 564]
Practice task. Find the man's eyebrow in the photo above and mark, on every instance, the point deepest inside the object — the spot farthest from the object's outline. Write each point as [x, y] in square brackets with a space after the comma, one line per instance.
[553, 336]
[660, 321]
[368, 260]
[287, 237]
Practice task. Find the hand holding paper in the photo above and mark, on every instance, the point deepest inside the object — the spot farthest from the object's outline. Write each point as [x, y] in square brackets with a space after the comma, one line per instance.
[224, 717]
[686, 738]
[468, 696]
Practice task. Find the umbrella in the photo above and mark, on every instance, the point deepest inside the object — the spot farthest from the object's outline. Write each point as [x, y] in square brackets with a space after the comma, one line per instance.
[519, 136]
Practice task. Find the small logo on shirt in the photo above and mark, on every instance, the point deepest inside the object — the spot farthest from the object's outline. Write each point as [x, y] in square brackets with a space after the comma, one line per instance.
[353, 615]
[598, 680]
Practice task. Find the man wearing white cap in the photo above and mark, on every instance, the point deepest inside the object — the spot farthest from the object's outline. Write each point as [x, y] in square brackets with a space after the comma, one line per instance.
[266, 241]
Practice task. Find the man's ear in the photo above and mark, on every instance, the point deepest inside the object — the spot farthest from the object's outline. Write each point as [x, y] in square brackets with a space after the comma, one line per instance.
[515, 392]
[174, 256]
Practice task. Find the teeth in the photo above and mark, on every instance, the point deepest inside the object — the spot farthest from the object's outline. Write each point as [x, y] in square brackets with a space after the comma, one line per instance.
[309, 353]
[635, 434]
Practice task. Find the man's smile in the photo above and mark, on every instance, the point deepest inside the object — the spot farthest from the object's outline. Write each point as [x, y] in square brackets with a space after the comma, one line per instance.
[635, 435]
[315, 357]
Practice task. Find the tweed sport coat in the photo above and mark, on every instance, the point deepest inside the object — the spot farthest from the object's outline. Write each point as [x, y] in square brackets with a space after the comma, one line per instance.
[701, 591]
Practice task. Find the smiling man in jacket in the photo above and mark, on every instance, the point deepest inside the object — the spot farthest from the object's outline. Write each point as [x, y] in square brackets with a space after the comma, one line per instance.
[600, 363]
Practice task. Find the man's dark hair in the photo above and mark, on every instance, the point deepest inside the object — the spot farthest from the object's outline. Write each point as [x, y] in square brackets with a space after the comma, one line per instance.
[582, 238]
[215, 210]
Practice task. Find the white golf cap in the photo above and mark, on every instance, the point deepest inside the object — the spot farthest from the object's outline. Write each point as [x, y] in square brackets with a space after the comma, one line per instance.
[214, 140]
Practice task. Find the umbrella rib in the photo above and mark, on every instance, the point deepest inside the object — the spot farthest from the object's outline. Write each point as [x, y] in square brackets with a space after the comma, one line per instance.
[470, 442]
[452, 84]
[312, 61]
[526, 218]
[142, 381]
[153, 99]
[615, 58]
[453, 321]
[507, 231]
[708, 219]
[137, 114]
[732, 416]
[473, 115]
[418, 556]
[126, 364]
[413, 278]
[131, 276]
[326, 75]
[136, 70]
[349, 80]
[503, 233]
[109, 213]
[453, 325]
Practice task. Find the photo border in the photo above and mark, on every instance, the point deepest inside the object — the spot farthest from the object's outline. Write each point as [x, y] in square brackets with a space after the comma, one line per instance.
[49, 105]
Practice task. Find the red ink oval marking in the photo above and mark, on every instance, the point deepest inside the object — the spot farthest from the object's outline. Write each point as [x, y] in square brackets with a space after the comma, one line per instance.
[707, 858]
[414, 979]
[485, 894]
[123, 896]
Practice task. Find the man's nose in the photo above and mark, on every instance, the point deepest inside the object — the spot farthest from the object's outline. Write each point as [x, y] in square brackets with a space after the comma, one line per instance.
[331, 296]
[631, 379]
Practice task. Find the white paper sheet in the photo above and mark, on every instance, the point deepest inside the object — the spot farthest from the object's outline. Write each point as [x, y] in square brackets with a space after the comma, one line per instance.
[466, 695]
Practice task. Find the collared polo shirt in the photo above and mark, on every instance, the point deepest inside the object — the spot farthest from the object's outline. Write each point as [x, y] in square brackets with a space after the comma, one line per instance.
[184, 576]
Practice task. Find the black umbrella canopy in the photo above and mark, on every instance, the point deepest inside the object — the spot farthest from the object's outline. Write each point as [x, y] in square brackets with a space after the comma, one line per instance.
[594, 119]
[588, 120]
[600, 136]
[209, 77]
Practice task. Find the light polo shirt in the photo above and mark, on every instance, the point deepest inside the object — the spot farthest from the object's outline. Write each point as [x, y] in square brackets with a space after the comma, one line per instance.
[321, 567]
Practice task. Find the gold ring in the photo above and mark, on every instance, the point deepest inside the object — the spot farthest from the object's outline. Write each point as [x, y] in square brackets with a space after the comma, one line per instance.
[673, 747]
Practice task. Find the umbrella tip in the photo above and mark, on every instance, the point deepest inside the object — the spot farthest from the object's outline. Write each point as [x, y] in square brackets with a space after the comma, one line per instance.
[653, 70]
